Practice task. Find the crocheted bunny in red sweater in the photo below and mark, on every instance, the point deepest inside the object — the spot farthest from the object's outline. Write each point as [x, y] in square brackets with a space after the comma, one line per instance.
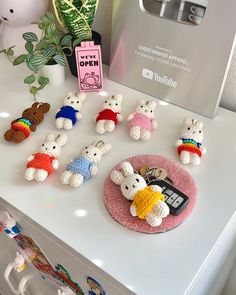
[40, 165]
[108, 118]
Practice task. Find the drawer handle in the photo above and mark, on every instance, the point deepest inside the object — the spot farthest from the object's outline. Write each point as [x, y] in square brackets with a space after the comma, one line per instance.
[22, 286]
[7, 273]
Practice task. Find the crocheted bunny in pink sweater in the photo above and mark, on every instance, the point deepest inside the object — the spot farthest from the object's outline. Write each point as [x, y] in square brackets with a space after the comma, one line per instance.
[142, 121]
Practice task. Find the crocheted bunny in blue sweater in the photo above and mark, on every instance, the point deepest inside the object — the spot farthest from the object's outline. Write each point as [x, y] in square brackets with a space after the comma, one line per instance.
[84, 166]
[69, 113]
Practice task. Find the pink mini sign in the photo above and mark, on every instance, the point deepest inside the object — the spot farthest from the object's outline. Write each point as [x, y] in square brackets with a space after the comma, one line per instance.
[89, 66]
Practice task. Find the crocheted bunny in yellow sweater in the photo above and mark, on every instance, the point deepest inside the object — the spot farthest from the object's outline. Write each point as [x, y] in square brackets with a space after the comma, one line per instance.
[145, 200]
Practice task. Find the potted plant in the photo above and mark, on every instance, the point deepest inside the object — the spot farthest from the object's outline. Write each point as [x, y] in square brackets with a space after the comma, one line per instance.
[43, 57]
[76, 18]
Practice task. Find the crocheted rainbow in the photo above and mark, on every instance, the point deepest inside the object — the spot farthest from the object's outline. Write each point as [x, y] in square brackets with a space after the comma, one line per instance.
[22, 125]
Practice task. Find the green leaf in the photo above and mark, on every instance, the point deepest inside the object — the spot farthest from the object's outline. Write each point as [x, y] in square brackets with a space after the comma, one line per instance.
[42, 44]
[77, 3]
[43, 81]
[55, 39]
[38, 60]
[66, 40]
[59, 59]
[29, 46]
[50, 51]
[20, 59]
[50, 16]
[33, 90]
[50, 30]
[88, 11]
[30, 37]
[41, 87]
[77, 42]
[29, 57]
[10, 52]
[30, 79]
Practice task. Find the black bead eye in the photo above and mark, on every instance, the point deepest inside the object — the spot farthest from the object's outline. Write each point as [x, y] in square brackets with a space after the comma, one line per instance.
[105, 101]
[68, 97]
[200, 131]
[86, 147]
[126, 187]
[189, 128]
[141, 106]
[116, 104]
[137, 180]
[78, 101]
[54, 147]
[43, 144]
[95, 154]
[151, 111]
[11, 10]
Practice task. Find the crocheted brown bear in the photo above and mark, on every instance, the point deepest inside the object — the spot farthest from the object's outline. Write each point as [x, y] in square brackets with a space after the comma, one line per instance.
[22, 127]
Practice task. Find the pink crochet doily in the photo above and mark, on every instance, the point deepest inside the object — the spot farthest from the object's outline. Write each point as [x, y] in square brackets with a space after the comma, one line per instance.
[118, 206]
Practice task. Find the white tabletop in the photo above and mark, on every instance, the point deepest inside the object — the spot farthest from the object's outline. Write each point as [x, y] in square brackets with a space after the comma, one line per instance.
[149, 264]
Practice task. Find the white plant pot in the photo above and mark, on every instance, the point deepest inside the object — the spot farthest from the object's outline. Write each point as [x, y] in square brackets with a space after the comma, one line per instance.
[55, 73]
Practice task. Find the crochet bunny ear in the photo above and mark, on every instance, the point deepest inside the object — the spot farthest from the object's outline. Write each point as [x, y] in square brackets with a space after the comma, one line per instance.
[61, 139]
[69, 94]
[44, 107]
[152, 104]
[142, 101]
[98, 143]
[199, 124]
[105, 148]
[118, 97]
[18, 254]
[51, 137]
[127, 168]
[188, 121]
[81, 96]
[7, 215]
[117, 177]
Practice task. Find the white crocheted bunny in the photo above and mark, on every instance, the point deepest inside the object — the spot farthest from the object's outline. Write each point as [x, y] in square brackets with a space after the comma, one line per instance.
[42, 164]
[70, 112]
[109, 117]
[83, 167]
[19, 263]
[189, 145]
[9, 225]
[142, 121]
[147, 201]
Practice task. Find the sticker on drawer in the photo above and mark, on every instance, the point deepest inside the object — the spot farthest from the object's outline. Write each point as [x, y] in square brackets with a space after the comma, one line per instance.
[95, 287]
[65, 278]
